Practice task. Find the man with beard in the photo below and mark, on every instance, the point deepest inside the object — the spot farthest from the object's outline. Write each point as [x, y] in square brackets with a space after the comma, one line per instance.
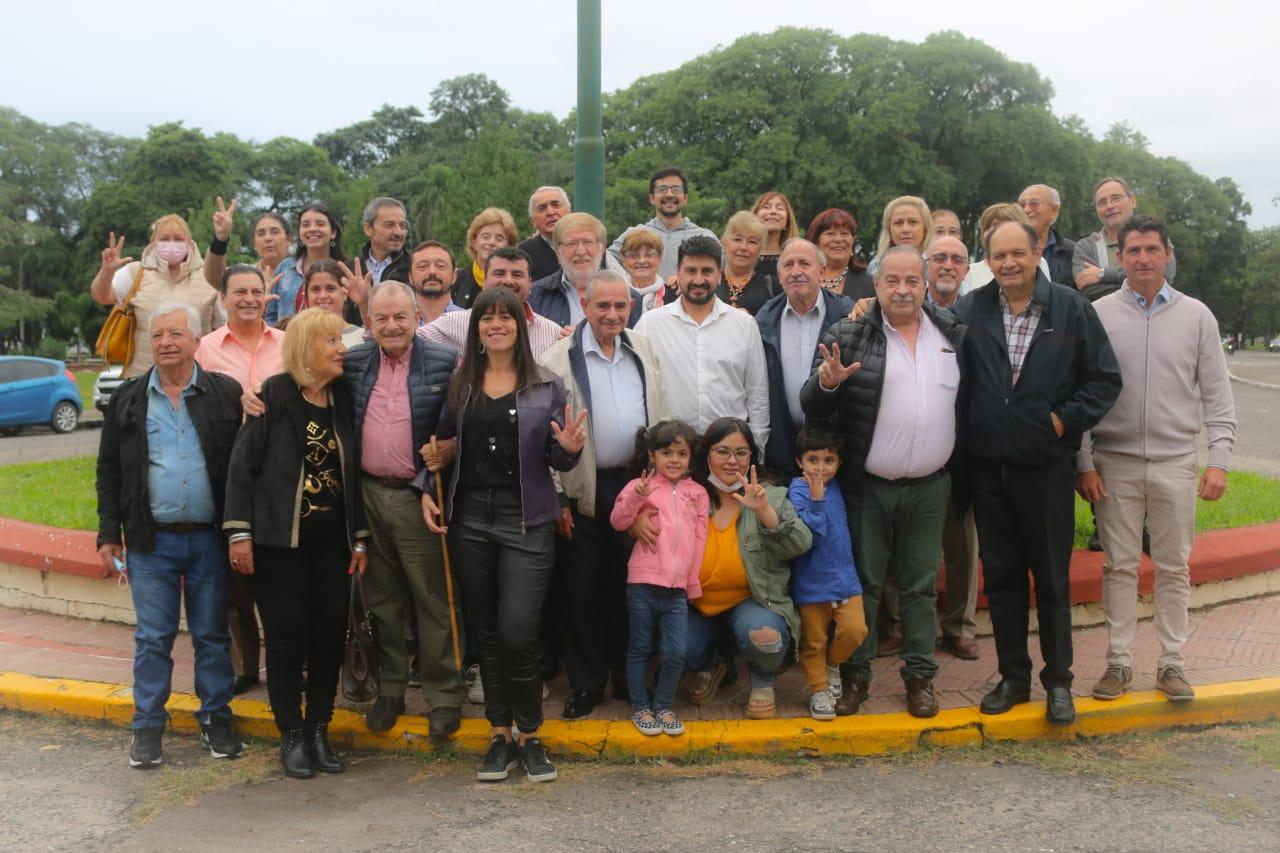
[668, 193]
[431, 275]
[710, 353]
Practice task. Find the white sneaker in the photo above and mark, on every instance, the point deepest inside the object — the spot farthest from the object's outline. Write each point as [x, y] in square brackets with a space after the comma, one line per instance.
[822, 706]
[475, 693]
[545, 692]
[833, 682]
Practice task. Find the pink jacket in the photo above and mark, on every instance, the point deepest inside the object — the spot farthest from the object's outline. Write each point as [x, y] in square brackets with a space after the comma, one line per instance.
[682, 533]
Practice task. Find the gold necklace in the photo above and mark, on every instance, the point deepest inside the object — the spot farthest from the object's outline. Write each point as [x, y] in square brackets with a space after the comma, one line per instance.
[834, 283]
[736, 287]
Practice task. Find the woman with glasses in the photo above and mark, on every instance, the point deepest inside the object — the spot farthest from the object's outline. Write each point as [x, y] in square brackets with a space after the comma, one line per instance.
[752, 532]
[492, 229]
[641, 257]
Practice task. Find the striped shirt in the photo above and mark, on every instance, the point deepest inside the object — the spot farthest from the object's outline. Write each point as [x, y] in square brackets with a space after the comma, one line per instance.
[450, 329]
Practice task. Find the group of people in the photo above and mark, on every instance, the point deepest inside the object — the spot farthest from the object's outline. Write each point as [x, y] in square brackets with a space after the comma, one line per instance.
[648, 458]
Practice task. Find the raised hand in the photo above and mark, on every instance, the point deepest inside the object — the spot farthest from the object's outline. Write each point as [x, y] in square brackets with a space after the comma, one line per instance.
[861, 307]
[644, 486]
[222, 221]
[111, 260]
[753, 495]
[271, 283]
[572, 436]
[831, 373]
[817, 486]
[358, 284]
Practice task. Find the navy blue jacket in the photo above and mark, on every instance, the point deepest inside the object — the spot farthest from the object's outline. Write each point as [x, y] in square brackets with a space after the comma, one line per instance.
[546, 298]
[826, 572]
[430, 369]
[779, 453]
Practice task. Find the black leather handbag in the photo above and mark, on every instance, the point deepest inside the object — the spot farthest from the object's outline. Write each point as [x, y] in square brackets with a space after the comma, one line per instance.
[360, 659]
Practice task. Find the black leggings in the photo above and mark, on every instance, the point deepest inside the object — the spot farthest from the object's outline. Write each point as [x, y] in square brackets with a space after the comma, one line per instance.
[504, 572]
[302, 594]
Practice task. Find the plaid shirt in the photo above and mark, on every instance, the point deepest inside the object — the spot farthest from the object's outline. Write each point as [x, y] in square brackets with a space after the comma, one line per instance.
[1018, 331]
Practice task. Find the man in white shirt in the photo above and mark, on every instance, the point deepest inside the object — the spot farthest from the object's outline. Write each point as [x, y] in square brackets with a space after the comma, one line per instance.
[711, 355]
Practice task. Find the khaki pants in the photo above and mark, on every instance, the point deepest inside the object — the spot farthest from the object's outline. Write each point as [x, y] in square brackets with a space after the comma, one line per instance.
[1165, 494]
[815, 653]
[960, 562]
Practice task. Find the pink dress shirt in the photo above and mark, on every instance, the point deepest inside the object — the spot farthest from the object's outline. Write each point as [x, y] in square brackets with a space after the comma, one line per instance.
[221, 351]
[386, 437]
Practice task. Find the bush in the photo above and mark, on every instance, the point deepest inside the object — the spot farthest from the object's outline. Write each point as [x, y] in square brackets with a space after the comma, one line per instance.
[51, 347]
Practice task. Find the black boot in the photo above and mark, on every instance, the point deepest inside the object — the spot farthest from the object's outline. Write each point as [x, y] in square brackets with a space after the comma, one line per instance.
[293, 755]
[322, 756]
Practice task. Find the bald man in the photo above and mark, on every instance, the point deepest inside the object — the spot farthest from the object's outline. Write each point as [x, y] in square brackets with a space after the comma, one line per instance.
[1041, 203]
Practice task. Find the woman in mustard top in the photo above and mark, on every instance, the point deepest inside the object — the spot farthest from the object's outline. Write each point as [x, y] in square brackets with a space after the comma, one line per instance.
[753, 531]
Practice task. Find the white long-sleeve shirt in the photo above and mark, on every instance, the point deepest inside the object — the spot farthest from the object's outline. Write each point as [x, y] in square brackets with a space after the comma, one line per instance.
[711, 370]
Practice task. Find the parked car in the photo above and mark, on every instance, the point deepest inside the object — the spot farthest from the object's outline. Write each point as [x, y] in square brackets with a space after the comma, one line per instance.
[37, 391]
[104, 386]
[1274, 346]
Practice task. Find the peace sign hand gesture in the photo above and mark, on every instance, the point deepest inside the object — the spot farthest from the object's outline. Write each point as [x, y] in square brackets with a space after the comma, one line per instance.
[831, 373]
[222, 220]
[359, 285]
[753, 495]
[572, 436]
[111, 260]
[644, 486]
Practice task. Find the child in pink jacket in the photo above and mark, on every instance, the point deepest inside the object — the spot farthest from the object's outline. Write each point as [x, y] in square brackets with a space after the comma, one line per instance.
[662, 578]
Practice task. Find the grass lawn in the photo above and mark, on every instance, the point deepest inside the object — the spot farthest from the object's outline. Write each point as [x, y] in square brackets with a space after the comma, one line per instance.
[85, 379]
[62, 494]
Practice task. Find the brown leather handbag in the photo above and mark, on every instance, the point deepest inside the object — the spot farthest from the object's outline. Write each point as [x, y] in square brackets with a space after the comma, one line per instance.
[360, 659]
[115, 341]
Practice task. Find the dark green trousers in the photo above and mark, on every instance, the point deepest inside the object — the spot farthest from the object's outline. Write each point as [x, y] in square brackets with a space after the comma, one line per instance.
[897, 529]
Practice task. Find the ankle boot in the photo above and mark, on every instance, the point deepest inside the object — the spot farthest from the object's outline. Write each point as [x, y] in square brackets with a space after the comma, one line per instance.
[293, 755]
[322, 756]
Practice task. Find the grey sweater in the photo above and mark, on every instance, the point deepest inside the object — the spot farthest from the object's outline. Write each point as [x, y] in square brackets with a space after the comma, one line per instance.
[1175, 382]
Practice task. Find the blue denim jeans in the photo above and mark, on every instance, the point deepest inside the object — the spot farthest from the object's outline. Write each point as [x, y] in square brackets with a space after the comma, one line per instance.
[662, 614]
[194, 565]
[763, 659]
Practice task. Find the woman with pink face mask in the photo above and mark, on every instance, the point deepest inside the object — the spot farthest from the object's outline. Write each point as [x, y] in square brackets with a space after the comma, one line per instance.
[171, 270]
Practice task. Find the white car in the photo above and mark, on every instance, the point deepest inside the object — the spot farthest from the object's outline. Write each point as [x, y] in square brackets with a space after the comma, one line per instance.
[1274, 346]
[103, 387]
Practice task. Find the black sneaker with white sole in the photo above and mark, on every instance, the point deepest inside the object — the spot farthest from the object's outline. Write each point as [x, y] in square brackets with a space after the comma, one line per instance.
[220, 738]
[145, 751]
[537, 763]
[503, 757]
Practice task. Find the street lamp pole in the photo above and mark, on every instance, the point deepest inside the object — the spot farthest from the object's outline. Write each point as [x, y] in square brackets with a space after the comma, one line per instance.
[28, 240]
[588, 146]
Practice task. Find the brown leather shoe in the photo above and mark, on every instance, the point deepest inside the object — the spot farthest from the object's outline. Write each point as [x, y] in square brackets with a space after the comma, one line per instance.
[920, 699]
[961, 647]
[888, 646]
[854, 691]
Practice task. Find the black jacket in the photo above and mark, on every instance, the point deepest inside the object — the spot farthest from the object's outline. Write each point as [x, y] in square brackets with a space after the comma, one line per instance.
[123, 501]
[546, 298]
[430, 369]
[856, 403]
[1069, 370]
[779, 453]
[545, 260]
[264, 483]
[397, 270]
[465, 287]
[1059, 259]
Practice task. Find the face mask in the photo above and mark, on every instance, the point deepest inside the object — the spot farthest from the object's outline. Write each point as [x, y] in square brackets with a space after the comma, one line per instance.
[722, 485]
[171, 252]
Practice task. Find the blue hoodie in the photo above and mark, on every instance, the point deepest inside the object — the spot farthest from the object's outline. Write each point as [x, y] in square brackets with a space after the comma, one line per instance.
[825, 572]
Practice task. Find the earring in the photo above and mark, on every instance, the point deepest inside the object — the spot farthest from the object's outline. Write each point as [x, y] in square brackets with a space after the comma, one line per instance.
[333, 244]
[480, 348]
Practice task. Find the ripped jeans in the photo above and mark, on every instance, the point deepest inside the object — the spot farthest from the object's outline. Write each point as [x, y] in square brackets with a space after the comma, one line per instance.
[763, 654]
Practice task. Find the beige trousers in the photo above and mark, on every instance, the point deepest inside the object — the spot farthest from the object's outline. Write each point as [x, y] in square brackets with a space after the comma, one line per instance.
[1165, 494]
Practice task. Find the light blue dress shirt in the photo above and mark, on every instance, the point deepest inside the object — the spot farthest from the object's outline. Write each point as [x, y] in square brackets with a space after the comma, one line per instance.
[617, 401]
[576, 314]
[799, 336]
[177, 480]
[1162, 295]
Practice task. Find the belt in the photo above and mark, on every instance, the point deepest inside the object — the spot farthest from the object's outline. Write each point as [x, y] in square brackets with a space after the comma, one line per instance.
[390, 482]
[185, 527]
[909, 481]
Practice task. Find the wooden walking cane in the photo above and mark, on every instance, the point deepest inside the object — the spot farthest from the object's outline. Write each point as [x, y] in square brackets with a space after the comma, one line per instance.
[448, 570]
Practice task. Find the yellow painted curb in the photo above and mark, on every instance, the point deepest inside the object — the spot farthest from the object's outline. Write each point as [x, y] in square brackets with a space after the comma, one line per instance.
[870, 734]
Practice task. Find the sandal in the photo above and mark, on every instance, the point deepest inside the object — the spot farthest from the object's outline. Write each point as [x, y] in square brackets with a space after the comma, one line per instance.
[760, 705]
[702, 685]
[645, 722]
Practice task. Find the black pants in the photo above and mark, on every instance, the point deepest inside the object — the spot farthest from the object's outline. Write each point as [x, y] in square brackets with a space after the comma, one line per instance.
[595, 593]
[302, 594]
[1026, 520]
[504, 572]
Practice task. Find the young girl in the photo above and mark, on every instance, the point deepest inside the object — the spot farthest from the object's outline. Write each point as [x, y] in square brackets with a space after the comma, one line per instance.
[661, 579]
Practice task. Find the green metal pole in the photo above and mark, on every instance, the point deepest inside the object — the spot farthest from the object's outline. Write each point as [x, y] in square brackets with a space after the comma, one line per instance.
[588, 147]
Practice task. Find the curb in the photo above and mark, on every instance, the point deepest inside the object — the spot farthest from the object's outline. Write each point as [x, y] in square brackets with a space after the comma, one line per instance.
[617, 740]
[1253, 382]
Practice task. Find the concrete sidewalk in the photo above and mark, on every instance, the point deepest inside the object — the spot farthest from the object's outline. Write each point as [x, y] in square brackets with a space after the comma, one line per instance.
[83, 669]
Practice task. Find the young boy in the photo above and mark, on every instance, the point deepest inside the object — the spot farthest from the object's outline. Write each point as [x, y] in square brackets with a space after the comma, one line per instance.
[824, 581]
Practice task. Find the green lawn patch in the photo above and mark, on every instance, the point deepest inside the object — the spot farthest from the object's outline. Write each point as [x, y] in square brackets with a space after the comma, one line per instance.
[59, 493]
[85, 379]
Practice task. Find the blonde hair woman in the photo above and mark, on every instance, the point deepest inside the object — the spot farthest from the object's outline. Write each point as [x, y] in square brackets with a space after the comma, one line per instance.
[742, 284]
[492, 229]
[171, 270]
[773, 209]
[906, 222]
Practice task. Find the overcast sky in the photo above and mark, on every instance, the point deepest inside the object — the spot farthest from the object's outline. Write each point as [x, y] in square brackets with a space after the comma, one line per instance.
[1199, 79]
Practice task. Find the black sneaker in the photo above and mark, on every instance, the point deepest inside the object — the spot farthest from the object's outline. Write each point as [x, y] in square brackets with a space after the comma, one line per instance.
[503, 757]
[384, 713]
[537, 763]
[145, 750]
[220, 738]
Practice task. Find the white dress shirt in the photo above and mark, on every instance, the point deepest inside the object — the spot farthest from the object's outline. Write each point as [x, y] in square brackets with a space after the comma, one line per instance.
[798, 337]
[711, 370]
[916, 424]
[617, 401]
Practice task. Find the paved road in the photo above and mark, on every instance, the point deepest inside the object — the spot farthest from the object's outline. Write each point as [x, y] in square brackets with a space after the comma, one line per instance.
[67, 785]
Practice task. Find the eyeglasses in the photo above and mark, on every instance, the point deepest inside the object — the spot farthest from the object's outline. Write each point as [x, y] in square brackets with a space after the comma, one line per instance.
[663, 189]
[1032, 203]
[941, 258]
[585, 243]
[742, 454]
[646, 254]
[1110, 200]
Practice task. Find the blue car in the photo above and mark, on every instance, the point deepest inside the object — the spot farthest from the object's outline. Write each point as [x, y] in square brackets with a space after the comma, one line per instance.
[37, 391]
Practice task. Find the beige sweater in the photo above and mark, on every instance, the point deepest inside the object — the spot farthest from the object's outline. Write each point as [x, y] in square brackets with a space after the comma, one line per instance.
[1175, 382]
